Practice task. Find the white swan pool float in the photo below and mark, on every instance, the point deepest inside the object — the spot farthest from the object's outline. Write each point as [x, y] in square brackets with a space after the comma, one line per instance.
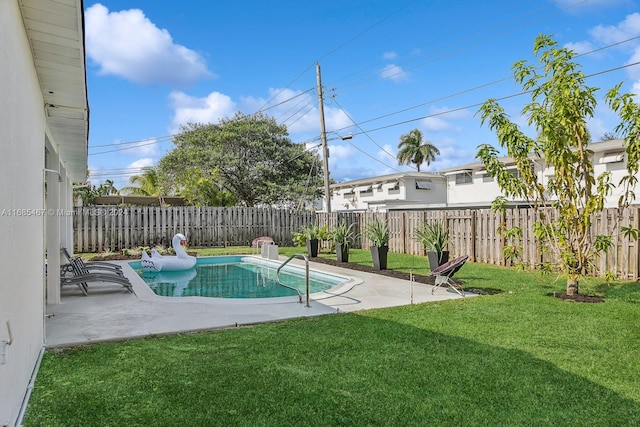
[177, 262]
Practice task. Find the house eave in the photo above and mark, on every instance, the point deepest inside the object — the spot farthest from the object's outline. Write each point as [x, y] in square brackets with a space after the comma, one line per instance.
[55, 30]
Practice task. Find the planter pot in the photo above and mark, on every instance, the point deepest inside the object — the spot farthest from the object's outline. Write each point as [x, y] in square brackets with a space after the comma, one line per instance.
[379, 257]
[312, 248]
[342, 253]
[436, 259]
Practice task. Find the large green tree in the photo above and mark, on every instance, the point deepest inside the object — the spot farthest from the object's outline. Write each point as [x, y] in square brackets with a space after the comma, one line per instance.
[413, 149]
[561, 103]
[249, 156]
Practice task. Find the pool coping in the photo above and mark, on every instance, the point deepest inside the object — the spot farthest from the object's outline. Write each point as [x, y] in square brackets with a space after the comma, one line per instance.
[145, 293]
[110, 313]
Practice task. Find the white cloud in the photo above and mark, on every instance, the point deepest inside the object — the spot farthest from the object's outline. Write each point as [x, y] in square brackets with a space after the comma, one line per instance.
[580, 47]
[441, 118]
[295, 109]
[436, 124]
[626, 29]
[335, 118]
[145, 148]
[209, 109]
[339, 154]
[611, 34]
[389, 55]
[388, 155]
[142, 163]
[634, 72]
[451, 154]
[129, 45]
[394, 72]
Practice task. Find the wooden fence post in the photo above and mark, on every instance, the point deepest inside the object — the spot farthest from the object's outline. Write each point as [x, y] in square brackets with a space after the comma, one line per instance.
[472, 236]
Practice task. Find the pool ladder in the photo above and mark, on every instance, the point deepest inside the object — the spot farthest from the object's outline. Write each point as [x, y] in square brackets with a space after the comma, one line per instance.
[306, 261]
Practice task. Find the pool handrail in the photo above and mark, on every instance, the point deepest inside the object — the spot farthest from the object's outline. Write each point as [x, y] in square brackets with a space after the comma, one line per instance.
[306, 260]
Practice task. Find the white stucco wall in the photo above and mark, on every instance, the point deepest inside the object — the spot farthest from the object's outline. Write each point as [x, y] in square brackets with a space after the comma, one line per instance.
[482, 190]
[381, 192]
[617, 170]
[479, 192]
[436, 194]
[21, 188]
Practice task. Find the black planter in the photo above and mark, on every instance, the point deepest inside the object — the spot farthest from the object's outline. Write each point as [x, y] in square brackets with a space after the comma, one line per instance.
[312, 248]
[342, 253]
[436, 259]
[379, 257]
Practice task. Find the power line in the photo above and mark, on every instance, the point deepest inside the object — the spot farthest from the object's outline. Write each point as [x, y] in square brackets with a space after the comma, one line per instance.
[367, 135]
[482, 86]
[152, 141]
[490, 19]
[332, 51]
[481, 103]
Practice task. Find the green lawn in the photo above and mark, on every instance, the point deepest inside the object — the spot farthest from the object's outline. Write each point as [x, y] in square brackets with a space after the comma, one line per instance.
[520, 357]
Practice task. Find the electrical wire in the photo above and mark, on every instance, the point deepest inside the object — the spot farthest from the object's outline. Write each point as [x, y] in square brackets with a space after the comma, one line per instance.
[481, 103]
[378, 78]
[393, 156]
[332, 51]
[482, 86]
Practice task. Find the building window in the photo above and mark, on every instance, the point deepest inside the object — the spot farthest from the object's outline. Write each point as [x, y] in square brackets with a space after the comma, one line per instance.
[424, 185]
[391, 186]
[612, 157]
[463, 178]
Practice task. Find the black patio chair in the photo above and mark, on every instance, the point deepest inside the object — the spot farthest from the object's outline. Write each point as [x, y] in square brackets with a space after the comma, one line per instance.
[82, 275]
[444, 273]
[98, 266]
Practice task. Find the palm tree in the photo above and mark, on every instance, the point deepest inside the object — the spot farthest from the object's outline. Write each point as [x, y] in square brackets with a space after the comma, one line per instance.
[414, 149]
[107, 188]
[147, 184]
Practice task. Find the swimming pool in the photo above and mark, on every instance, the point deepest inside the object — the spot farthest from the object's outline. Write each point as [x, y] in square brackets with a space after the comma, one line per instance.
[235, 276]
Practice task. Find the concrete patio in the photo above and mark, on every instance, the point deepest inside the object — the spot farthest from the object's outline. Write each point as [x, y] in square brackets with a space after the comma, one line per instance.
[110, 312]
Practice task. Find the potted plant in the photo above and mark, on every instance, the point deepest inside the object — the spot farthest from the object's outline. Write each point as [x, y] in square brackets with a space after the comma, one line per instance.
[434, 237]
[311, 235]
[378, 232]
[342, 237]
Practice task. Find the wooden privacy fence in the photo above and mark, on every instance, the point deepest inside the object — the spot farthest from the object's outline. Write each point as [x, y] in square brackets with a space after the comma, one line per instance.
[477, 233]
[114, 228]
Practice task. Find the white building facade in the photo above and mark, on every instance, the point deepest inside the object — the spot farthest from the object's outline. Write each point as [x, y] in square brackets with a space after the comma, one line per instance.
[469, 186]
[460, 187]
[44, 121]
[409, 190]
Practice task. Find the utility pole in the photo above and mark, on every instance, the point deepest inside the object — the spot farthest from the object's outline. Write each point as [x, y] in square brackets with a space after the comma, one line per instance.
[323, 138]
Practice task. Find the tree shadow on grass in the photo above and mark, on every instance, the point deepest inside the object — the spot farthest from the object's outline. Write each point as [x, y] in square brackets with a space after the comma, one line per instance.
[346, 369]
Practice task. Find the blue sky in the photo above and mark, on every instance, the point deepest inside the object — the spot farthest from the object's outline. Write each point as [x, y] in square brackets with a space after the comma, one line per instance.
[387, 67]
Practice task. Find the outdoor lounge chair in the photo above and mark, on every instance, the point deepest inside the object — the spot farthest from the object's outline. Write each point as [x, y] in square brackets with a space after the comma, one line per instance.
[93, 265]
[444, 273]
[81, 276]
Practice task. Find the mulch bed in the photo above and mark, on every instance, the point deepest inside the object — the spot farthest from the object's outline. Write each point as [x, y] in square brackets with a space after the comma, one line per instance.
[579, 298]
[428, 280]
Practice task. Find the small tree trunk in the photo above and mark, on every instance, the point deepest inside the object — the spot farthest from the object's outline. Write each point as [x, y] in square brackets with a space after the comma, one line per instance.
[572, 286]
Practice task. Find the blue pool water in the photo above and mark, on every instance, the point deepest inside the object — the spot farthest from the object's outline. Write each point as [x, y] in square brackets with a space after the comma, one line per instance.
[234, 277]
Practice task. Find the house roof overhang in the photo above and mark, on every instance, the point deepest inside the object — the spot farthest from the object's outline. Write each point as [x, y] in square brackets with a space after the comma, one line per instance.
[380, 180]
[55, 30]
